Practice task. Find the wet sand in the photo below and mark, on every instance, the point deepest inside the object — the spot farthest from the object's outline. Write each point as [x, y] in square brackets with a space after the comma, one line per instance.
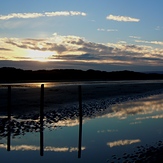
[24, 99]
[28, 99]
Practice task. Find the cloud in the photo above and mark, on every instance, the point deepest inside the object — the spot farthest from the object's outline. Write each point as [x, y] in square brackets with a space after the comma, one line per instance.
[122, 142]
[122, 42]
[87, 57]
[101, 29]
[36, 44]
[150, 42]
[135, 37]
[21, 15]
[107, 30]
[37, 15]
[61, 45]
[112, 30]
[74, 48]
[65, 13]
[122, 18]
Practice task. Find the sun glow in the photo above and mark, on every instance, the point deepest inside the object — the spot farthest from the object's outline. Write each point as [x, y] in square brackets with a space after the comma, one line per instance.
[36, 55]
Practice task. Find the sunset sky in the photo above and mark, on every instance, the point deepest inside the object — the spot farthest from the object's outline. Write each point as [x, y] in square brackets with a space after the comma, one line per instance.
[82, 34]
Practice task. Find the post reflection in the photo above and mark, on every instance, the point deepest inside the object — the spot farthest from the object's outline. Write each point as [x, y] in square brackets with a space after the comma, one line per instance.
[80, 122]
[41, 120]
[41, 138]
[8, 137]
[9, 118]
[15, 128]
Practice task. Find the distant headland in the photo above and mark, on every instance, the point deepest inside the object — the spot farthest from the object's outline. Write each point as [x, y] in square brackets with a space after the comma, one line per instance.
[11, 74]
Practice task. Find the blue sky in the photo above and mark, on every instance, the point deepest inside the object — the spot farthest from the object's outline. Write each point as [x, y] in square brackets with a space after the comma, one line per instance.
[82, 34]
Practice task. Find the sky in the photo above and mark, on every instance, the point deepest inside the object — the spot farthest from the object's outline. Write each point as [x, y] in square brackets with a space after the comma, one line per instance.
[107, 35]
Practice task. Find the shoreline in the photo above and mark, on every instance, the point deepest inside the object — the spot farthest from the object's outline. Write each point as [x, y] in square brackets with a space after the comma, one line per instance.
[28, 99]
[61, 102]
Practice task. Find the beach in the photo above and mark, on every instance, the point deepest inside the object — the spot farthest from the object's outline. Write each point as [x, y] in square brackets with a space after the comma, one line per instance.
[28, 98]
[62, 102]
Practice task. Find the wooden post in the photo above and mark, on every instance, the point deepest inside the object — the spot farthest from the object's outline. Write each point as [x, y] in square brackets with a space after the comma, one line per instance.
[42, 103]
[80, 121]
[9, 103]
[41, 120]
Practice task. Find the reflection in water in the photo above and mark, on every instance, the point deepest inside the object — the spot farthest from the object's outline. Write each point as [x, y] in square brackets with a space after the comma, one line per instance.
[80, 122]
[66, 118]
[116, 130]
[54, 84]
[135, 123]
[150, 117]
[122, 142]
[31, 85]
[9, 117]
[37, 148]
[103, 131]
[22, 125]
[8, 137]
[41, 120]
[140, 107]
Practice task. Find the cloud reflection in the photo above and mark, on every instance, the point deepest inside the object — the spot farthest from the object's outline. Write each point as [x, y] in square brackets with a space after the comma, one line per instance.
[150, 117]
[135, 123]
[122, 142]
[37, 148]
[64, 123]
[141, 107]
[103, 131]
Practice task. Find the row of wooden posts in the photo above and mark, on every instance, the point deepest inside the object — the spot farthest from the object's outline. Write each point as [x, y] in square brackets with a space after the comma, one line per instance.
[41, 119]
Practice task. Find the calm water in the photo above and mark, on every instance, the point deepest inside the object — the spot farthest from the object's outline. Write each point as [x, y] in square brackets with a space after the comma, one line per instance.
[106, 137]
[53, 84]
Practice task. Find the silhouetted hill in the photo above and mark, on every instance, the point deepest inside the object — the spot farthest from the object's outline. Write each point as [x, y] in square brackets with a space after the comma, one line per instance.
[10, 74]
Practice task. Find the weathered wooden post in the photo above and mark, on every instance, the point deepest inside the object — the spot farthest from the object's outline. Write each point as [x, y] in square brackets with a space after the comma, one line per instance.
[41, 120]
[9, 103]
[80, 121]
[9, 117]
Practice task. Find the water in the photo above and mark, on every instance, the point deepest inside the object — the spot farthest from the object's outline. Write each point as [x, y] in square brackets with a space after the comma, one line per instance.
[112, 135]
[54, 84]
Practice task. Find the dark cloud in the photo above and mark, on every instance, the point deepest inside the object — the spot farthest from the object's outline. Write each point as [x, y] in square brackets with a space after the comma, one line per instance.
[76, 57]
[38, 44]
[74, 45]
[5, 49]
[16, 44]
[34, 65]
[59, 48]
[87, 57]
[23, 58]
[71, 48]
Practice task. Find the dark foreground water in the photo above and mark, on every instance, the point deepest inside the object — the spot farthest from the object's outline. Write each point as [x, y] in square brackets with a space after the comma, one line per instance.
[128, 131]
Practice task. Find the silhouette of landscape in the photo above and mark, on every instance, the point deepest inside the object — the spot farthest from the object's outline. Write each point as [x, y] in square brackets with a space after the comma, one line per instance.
[11, 74]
